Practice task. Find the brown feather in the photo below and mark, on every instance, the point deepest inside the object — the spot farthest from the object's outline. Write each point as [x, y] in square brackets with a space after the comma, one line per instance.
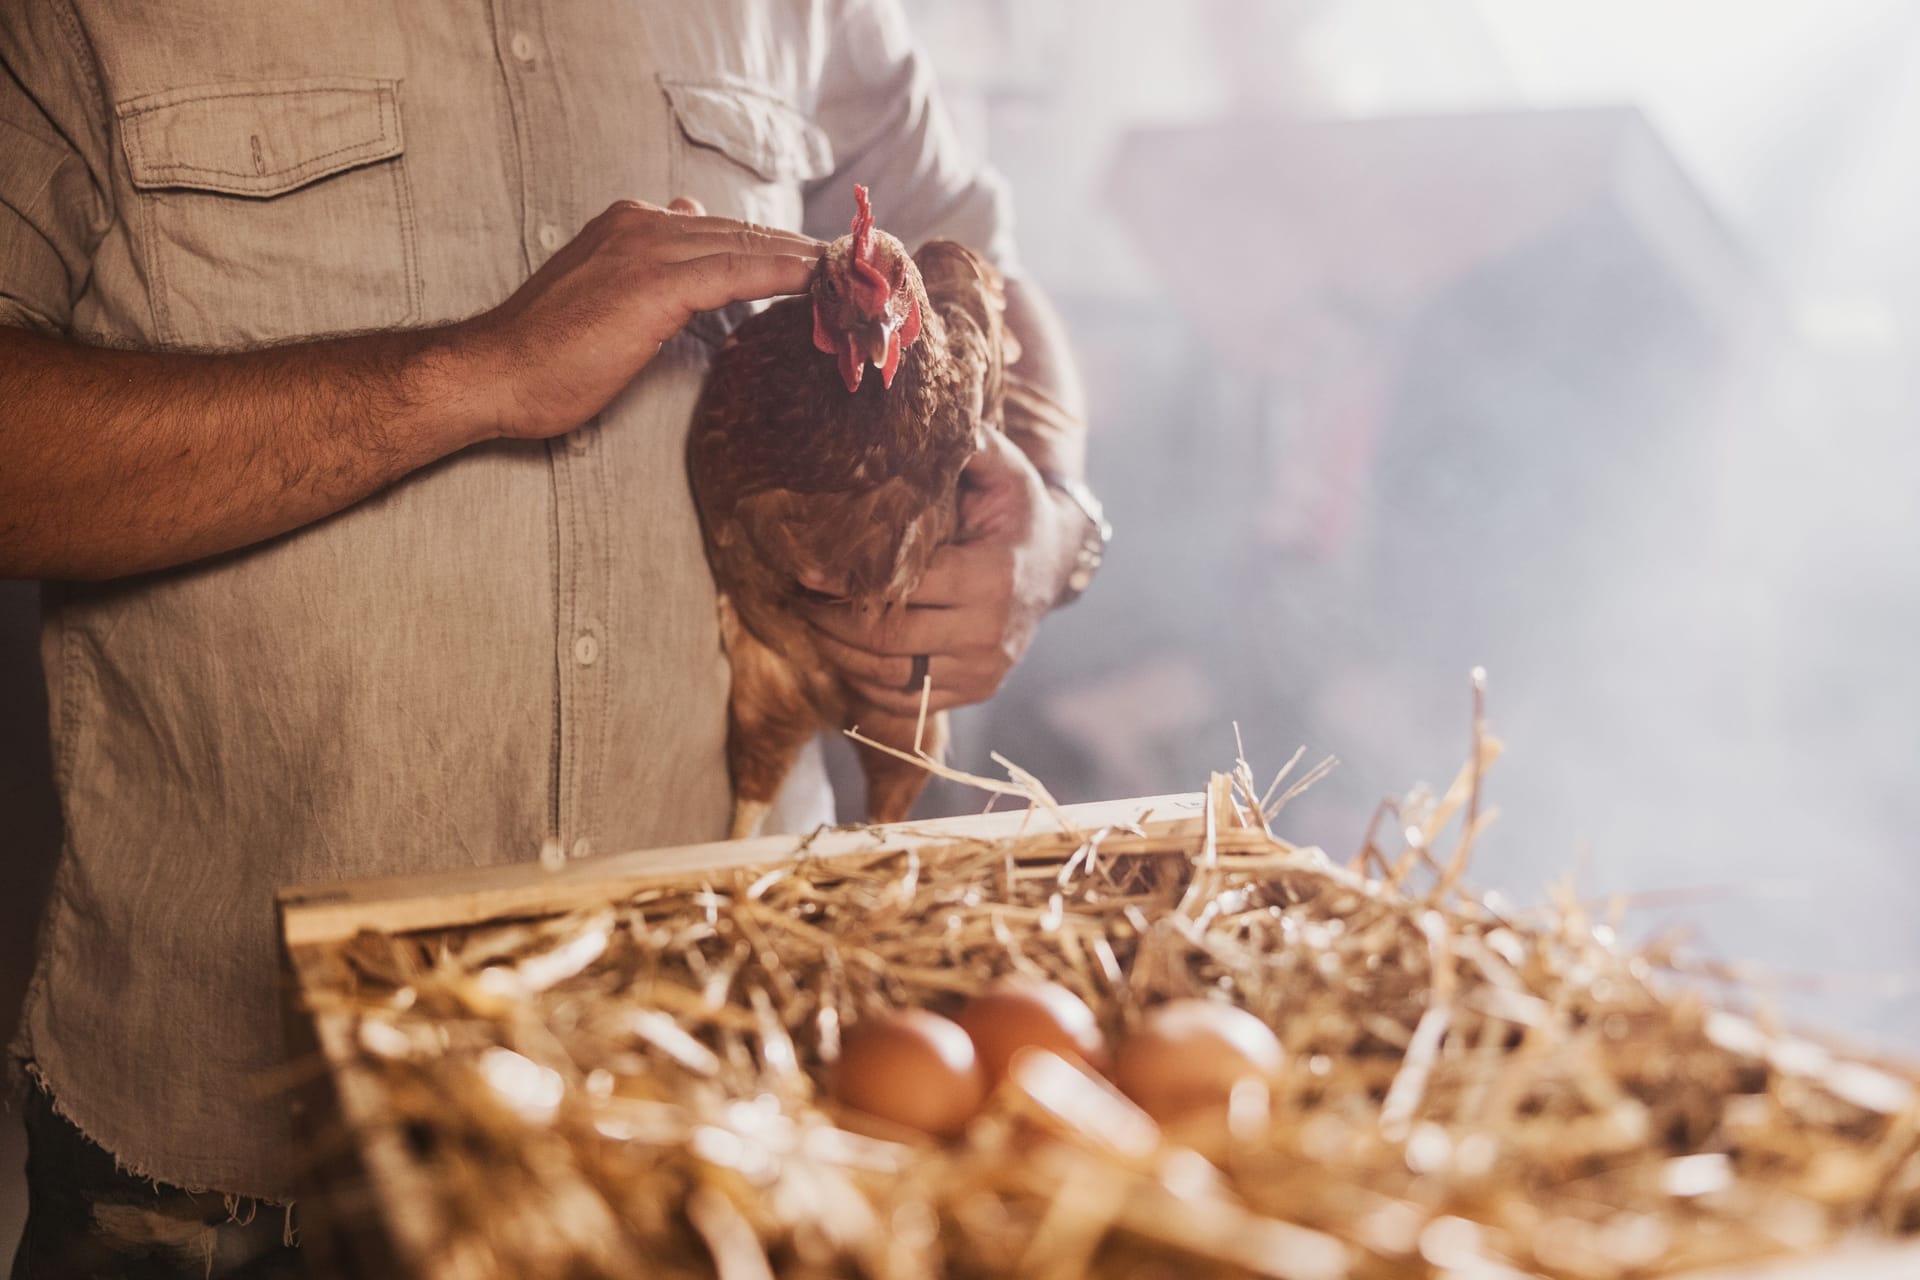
[799, 481]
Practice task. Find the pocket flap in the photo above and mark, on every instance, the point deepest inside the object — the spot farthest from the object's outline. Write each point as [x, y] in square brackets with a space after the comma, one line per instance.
[751, 126]
[259, 139]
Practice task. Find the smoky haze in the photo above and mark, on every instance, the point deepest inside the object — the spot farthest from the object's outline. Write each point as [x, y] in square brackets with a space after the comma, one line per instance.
[1572, 340]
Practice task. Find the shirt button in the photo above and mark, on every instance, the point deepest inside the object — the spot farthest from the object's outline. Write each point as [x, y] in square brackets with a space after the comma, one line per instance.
[549, 237]
[586, 649]
[582, 847]
[522, 46]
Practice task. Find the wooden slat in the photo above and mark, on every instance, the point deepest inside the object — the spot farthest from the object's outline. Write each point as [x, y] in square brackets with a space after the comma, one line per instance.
[384, 1210]
[332, 910]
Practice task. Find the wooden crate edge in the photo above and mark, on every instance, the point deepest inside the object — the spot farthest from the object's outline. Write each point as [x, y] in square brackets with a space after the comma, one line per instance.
[328, 911]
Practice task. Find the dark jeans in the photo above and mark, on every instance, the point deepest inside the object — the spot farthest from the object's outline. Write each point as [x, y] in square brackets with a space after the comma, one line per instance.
[87, 1218]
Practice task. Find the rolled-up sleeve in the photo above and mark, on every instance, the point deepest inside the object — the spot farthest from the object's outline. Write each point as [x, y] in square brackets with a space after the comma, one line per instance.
[880, 107]
[52, 209]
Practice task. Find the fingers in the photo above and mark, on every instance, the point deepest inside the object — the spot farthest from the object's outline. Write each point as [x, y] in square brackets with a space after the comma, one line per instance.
[970, 579]
[703, 284]
[888, 684]
[999, 490]
[867, 668]
[742, 234]
[685, 222]
[702, 262]
[676, 244]
[957, 620]
[996, 461]
[899, 632]
[682, 244]
[816, 578]
[907, 705]
[960, 575]
[895, 632]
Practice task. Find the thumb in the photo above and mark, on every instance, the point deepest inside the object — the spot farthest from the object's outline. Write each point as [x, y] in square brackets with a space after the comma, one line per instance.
[997, 461]
[997, 487]
[687, 204]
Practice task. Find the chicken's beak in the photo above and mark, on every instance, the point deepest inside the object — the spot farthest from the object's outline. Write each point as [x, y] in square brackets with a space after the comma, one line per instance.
[876, 338]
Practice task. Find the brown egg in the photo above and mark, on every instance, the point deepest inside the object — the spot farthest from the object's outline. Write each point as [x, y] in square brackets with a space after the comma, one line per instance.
[913, 1068]
[1187, 1056]
[1015, 1013]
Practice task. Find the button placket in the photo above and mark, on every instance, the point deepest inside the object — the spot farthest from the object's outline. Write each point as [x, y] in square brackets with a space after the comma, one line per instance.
[535, 84]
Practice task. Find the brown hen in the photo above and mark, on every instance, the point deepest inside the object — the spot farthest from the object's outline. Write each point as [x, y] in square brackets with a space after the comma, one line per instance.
[816, 479]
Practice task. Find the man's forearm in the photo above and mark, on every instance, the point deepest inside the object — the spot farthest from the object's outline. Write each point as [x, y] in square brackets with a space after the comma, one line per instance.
[1046, 403]
[112, 462]
[115, 462]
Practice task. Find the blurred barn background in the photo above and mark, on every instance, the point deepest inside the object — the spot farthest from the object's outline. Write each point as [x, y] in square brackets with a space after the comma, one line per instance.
[1576, 340]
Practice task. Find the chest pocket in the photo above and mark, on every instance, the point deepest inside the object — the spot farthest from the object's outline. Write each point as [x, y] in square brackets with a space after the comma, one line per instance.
[742, 151]
[273, 211]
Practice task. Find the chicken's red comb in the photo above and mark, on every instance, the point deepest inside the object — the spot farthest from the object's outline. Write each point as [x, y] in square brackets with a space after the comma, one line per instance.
[862, 224]
[864, 271]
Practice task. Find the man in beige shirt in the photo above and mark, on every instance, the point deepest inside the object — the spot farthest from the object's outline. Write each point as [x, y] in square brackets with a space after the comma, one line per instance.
[430, 593]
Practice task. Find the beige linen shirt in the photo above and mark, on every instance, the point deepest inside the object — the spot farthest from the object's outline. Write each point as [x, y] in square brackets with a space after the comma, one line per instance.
[513, 648]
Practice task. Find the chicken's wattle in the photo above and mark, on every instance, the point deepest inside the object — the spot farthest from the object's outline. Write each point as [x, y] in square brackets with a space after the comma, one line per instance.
[881, 344]
[877, 337]
[840, 346]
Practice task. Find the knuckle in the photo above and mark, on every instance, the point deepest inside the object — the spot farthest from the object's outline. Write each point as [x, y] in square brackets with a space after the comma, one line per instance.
[707, 273]
[688, 284]
[646, 273]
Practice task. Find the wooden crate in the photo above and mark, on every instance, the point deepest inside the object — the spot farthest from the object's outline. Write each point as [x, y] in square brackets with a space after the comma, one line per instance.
[369, 1211]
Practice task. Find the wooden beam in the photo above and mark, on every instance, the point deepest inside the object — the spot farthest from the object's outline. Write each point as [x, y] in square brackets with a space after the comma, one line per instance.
[329, 911]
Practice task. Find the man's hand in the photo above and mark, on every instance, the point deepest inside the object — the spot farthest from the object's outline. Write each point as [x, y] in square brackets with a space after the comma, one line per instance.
[122, 461]
[553, 354]
[975, 611]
